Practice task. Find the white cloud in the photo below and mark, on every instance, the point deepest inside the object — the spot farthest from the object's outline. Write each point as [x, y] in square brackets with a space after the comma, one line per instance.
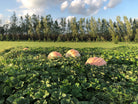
[85, 7]
[32, 3]
[64, 5]
[77, 7]
[31, 7]
[38, 3]
[36, 6]
[112, 4]
[81, 7]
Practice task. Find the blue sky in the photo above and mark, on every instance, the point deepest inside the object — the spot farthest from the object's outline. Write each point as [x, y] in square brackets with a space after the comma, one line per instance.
[107, 9]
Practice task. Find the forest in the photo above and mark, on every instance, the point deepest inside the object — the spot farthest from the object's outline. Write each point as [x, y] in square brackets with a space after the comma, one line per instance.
[40, 28]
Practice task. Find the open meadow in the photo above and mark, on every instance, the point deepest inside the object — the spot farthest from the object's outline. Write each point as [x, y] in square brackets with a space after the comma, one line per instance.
[9, 44]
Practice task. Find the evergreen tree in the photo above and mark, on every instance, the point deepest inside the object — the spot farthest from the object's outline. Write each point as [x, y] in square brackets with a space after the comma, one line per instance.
[87, 26]
[5, 27]
[50, 24]
[22, 26]
[131, 22]
[112, 30]
[63, 25]
[136, 36]
[38, 29]
[74, 28]
[81, 26]
[134, 27]
[30, 31]
[56, 28]
[42, 27]
[128, 29]
[34, 21]
[121, 31]
[26, 24]
[99, 31]
[13, 25]
[104, 29]
[93, 28]
[1, 32]
[69, 27]
[46, 28]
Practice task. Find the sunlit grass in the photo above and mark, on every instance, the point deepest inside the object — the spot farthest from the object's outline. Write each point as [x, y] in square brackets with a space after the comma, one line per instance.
[9, 44]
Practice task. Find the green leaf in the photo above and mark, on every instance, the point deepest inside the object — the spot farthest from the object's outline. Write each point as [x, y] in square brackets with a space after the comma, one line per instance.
[1, 101]
[21, 100]
[45, 94]
[38, 95]
[7, 90]
[134, 103]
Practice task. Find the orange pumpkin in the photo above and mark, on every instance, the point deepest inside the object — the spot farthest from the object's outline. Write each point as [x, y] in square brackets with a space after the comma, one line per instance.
[72, 53]
[96, 61]
[54, 54]
[25, 49]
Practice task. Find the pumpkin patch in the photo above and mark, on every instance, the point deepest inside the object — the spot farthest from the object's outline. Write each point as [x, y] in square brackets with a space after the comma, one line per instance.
[30, 77]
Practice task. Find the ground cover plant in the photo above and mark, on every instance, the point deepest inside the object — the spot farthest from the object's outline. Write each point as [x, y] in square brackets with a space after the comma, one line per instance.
[29, 77]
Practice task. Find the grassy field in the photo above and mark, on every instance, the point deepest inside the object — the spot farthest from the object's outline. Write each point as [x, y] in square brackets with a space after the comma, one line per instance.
[9, 44]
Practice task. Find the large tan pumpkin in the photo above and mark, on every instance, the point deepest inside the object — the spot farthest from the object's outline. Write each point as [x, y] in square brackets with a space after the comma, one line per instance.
[25, 49]
[73, 53]
[96, 61]
[54, 54]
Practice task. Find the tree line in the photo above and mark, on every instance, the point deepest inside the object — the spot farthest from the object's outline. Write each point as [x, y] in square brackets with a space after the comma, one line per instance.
[85, 29]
